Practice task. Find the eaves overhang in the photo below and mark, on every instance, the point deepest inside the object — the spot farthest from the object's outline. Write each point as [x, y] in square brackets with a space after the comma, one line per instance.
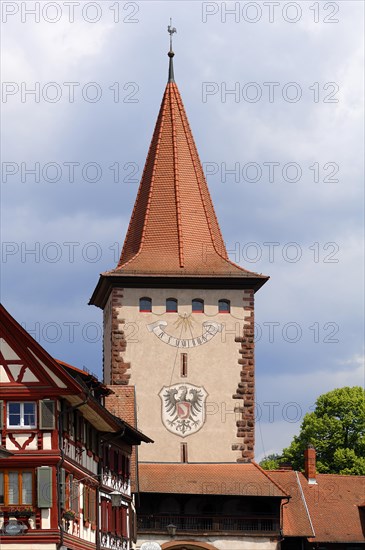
[108, 281]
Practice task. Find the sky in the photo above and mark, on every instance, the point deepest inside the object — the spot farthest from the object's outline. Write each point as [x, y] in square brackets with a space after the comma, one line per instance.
[274, 95]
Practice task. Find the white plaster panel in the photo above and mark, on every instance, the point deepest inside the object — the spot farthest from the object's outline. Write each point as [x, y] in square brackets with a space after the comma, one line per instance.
[21, 438]
[29, 376]
[45, 518]
[47, 440]
[7, 351]
[55, 378]
[3, 375]
[15, 370]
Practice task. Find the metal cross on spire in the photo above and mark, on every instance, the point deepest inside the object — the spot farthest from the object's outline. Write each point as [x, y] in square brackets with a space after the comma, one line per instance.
[171, 30]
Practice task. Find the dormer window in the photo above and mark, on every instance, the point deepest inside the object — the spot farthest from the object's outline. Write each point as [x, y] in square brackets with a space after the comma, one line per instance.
[197, 305]
[224, 306]
[171, 305]
[145, 305]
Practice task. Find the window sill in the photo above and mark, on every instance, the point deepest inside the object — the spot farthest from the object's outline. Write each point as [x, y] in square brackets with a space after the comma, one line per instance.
[21, 428]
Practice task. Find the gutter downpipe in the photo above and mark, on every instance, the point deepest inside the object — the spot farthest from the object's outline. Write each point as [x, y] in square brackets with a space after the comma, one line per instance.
[282, 504]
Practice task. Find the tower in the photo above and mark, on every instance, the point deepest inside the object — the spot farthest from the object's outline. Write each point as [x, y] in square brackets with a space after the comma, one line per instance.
[178, 314]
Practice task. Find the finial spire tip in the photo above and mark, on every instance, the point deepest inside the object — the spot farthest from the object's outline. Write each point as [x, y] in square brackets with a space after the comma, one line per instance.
[171, 30]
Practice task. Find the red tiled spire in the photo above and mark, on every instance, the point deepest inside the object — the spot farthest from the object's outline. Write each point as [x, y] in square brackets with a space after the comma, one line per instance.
[173, 228]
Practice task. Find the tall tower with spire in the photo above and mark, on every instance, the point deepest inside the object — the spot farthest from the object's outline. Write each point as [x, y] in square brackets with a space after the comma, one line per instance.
[178, 314]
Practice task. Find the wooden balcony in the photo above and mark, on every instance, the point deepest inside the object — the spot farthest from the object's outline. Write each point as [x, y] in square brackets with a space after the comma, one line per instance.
[208, 524]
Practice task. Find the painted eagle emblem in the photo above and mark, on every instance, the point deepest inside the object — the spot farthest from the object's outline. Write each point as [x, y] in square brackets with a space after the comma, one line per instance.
[183, 408]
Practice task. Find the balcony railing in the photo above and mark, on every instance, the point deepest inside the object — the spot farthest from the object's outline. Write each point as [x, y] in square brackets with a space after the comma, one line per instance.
[251, 524]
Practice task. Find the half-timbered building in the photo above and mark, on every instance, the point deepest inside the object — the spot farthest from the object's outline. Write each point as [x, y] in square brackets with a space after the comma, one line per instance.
[65, 461]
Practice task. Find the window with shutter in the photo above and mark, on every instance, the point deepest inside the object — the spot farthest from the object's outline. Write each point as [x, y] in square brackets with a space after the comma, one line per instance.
[88, 428]
[16, 487]
[75, 496]
[86, 503]
[118, 521]
[120, 463]
[104, 516]
[92, 506]
[106, 457]
[70, 479]
[77, 425]
[94, 441]
[44, 487]
[124, 521]
[111, 458]
[111, 522]
[47, 414]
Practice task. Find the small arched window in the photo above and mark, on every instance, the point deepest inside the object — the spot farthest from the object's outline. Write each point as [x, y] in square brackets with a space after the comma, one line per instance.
[171, 305]
[197, 305]
[224, 306]
[145, 304]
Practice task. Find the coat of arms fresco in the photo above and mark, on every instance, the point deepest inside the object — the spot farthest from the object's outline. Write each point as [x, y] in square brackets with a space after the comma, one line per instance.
[183, 408]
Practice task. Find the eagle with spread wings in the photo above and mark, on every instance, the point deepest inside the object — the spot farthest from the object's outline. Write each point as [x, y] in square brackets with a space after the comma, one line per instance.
[183, 404]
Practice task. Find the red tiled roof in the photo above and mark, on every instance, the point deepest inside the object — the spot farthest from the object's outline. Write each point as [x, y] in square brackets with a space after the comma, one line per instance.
[173, 228]
[296, 521]
[328, 511]
[334, 507]
[209, 479]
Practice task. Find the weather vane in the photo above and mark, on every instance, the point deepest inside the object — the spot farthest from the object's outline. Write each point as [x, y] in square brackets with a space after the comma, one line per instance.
[171, 30]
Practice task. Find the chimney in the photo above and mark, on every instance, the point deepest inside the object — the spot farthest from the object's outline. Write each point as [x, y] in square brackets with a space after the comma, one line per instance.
[310, 464]
[285, 466]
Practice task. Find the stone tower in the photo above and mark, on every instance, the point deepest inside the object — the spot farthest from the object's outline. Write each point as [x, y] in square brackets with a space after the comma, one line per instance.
[178, 314]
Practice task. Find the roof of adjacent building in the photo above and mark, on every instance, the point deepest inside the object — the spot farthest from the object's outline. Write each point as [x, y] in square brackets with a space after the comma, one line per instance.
[208, 479]
[328, 511]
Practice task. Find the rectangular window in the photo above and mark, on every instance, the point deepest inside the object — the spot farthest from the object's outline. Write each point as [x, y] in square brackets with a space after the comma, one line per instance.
[184, 452]
[183, 365]
[16, 487]
[21, 415]
[13, 488]
[2, 488]
[27, 482]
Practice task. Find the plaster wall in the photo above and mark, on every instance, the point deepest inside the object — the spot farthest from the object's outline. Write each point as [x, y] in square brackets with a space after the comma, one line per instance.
[151, 364]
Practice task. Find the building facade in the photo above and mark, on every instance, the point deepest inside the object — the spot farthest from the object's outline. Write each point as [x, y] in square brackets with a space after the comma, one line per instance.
[65, 464]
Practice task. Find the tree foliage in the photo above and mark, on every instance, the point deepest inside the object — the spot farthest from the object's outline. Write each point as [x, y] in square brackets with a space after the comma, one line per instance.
[271, 462]
[336, 428]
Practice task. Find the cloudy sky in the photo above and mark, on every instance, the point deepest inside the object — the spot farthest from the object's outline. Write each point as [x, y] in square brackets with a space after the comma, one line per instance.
[273, 92]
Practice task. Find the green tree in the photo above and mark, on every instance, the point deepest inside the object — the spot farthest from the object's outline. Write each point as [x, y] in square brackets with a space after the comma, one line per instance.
[270, 462]
[336, 428]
